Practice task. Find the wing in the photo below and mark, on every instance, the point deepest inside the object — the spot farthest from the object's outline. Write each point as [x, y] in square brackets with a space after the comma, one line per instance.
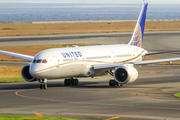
[160, 52]
[21, 56]
[114, 65]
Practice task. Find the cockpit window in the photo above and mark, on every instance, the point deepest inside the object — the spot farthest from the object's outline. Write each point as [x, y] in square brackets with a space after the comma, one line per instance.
[34, 61]
[40, 61]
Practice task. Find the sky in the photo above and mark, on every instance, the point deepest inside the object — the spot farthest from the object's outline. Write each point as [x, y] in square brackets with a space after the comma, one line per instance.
[94, 1]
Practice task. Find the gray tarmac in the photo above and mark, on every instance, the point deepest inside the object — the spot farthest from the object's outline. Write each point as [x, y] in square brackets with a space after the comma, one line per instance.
[149, 97]
[12, 63]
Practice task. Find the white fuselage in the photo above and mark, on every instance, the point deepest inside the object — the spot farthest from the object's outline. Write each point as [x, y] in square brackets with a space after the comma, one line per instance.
[78, 61]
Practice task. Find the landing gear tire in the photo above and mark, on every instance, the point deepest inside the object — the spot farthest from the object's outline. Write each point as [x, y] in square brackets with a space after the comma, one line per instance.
[112, 83]
[75, 82]
[71, 82]
[67, 82]
[43, 86]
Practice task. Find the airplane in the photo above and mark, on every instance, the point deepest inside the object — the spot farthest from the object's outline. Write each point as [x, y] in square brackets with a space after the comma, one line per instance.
[119, 60]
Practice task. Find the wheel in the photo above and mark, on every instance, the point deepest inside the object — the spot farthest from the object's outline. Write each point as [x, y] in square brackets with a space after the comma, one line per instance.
[112, 83]
[67, 82]
[76, 82]
[72, 81]
[44, 86]
[41, 86]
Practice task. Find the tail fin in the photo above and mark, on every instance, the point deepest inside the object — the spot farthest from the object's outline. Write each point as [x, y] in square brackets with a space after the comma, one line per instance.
[137, 37]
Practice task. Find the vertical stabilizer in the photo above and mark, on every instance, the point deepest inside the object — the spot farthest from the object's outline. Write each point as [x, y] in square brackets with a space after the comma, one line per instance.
[137, 37]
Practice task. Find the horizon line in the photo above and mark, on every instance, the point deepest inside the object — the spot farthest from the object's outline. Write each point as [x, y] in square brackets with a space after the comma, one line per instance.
[95, 2]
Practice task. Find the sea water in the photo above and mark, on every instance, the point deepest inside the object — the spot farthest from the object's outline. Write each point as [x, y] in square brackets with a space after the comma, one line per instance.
[29, 12]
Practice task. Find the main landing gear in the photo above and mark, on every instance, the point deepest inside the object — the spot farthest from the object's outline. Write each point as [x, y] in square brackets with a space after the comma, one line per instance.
[113, 82]
[71, 81]
[43, 84]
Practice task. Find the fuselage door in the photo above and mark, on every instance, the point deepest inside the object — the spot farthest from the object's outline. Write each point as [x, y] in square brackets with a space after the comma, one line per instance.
[113, 57]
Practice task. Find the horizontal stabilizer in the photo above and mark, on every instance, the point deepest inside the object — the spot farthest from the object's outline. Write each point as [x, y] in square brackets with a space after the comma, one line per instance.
[160, 52]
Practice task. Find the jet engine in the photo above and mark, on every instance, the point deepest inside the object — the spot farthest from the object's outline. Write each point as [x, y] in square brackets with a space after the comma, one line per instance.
[26, 74]
[125, 74]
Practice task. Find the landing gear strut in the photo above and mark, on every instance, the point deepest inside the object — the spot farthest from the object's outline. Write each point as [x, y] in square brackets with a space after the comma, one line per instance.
[43, 84]
[71, 81]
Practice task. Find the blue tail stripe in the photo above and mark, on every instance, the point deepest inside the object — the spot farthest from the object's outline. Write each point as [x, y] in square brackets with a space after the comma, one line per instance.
[137, 38]
[143, 19]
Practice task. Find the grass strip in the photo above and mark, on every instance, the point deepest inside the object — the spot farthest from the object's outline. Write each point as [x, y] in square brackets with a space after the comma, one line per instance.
[32, 118]
[22, 29]
[9, 74]
[11, 80]
[177, 95]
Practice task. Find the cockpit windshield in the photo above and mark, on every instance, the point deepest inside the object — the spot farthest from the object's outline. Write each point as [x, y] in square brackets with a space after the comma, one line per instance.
[40, 61]
[34, 61]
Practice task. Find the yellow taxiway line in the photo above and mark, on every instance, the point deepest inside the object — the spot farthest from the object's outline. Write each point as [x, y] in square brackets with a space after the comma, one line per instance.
[112, 118]
[38, 114]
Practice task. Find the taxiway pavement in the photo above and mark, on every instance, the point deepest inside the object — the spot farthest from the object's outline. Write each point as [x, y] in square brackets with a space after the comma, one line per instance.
[149, 97]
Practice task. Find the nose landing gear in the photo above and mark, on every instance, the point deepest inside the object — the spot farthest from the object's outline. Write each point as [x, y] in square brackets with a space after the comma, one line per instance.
[43, 84]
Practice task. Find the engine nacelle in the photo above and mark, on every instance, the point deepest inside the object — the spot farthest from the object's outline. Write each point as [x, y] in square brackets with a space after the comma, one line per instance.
[125, 74]
[26, 74]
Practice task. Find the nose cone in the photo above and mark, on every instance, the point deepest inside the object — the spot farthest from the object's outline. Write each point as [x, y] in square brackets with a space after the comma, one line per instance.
[41, 64]
[34, 68]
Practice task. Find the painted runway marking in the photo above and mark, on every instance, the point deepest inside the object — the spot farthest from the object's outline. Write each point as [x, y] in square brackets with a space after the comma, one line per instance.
[38, 114]
[112, 118]
[17, 93]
